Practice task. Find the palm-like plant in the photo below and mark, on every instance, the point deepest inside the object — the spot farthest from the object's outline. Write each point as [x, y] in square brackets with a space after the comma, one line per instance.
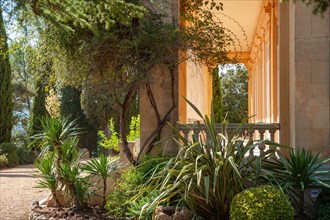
[59, 134]
[48, 175]
[298, 171]
[101, 167]
[54, 133]
[208, 172]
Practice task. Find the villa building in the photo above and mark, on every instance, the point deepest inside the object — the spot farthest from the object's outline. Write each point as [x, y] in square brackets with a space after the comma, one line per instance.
[286, 50]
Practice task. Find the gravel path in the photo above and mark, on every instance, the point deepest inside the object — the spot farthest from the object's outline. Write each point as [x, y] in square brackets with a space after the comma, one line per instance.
[17, 192]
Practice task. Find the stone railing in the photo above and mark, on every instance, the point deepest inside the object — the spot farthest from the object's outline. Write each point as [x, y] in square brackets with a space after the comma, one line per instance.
[250, 131]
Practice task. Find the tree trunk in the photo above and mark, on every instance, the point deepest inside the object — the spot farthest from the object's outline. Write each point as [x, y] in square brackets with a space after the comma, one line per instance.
[123, 133]
[301, 202]
[104, 191]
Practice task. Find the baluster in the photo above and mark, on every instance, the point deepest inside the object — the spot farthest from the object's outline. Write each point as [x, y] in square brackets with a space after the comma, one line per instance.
[196, 134]
[185, 132]
[261, 146]
[229, 131]
[251, 151]
[272, 137]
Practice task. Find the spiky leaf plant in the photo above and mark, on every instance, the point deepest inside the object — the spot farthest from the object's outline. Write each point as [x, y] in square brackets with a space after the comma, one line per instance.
[54, 134]
[46, 170]
[101, 167]
[209, 170]
[298, 171]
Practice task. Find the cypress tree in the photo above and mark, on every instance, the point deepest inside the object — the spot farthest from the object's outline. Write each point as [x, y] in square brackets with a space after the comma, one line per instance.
[6, 99]
[217, 96]
[71, 108]
[38, 110]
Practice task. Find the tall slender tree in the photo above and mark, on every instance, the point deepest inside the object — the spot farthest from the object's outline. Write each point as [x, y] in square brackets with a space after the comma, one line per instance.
[38, 110]
[6, 97]
[217, 96]
[71, 109]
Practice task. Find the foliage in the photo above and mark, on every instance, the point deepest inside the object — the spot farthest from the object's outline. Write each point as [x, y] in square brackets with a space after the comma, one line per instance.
[53, 104]
[23, 82]
[38, 110]
[208, 172]
[25, 155]
[322, 204]
[298, 171]
[71, 108]
[10, 150]
[46, 168]
[138, 208]
[262, 202]
[3, 160]
[60, 136]
[6, 100]
[113, 141]
[119, 201]
[319, 6]
[101, 167]
[134, 128]
[217, 96]
[234, 85]
[143, 39]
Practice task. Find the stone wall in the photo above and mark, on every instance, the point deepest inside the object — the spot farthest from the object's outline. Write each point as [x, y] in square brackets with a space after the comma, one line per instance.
[311, 79]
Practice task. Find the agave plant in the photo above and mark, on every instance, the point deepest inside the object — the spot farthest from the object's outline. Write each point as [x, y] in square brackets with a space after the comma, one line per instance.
[208, 172]
[101, 167]
[298, 171]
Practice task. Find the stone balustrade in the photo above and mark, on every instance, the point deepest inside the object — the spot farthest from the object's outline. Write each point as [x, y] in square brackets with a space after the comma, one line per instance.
[249, 131]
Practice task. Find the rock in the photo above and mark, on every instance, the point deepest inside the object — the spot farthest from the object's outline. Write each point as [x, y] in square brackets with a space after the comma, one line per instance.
[178, 216]
[71, 213]
[85, 153]
[186, 213]
[41, 217]
[162, 216]
[34, 205]
[178, 209]
[159, 209]
[169, 210]
[64, 200]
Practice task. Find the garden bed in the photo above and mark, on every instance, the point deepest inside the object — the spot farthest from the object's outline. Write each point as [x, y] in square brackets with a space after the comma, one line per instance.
[50, 213]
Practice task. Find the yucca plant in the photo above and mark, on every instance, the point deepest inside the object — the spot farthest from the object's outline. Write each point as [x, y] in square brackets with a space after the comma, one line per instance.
[298, 171]
[54, 133]
[102, 167]
[59, 136]
[48, 179]
[209, 170]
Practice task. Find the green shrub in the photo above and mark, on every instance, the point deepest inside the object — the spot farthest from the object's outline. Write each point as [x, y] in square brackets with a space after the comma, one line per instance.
[263, 202]
[134, 128]
[10, 150]
[298, 171]
[322, 205]
[3, 160]
[26, 156]
[117, 201]
[112, 142]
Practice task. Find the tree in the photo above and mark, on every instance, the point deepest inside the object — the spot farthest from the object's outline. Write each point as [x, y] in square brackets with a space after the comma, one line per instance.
[234, 84]
[71, 109]
[217, 96]
[38, 111]
[6, 105]
[141, 40]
